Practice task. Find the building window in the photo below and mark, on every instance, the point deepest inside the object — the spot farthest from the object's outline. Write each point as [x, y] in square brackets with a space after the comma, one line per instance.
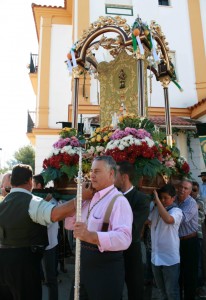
[124, 10]
[164, 2]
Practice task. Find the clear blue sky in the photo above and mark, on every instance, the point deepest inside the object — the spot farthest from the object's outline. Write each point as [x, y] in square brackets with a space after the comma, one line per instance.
[18, 40]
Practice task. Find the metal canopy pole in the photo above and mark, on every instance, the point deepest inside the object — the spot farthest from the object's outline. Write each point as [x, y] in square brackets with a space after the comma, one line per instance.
[141, 87]
[165, 82]
[75, 103]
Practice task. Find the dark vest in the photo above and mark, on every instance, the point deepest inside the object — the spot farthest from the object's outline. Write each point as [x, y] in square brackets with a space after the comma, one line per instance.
[16, 226]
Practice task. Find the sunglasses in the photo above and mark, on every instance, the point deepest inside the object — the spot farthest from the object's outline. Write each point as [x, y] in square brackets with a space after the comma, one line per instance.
[194, 190]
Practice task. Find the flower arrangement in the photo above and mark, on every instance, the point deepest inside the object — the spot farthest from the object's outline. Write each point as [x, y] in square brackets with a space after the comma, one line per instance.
[100, 136]
[63, 158]
[150, 157]
[131, 120]
[67, 132]
[137, 147]
[171, 159]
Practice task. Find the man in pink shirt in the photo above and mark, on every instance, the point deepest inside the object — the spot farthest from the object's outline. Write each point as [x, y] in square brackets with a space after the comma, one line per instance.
[102, 264]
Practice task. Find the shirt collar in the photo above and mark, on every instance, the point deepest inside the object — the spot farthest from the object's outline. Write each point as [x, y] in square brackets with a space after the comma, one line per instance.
[101, 193]
[128, 190]
[13, 190]
[180, 202]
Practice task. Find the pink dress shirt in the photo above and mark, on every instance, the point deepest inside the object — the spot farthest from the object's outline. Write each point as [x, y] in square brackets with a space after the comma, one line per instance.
[118, 237]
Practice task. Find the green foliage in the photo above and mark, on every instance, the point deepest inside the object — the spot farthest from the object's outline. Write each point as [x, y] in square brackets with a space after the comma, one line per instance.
[151, 167]
[148, 167]
[159, 136]
[25, 155]
[67, 132]
[70, 171]
[50, 174]
[4, 170]
[130, 120]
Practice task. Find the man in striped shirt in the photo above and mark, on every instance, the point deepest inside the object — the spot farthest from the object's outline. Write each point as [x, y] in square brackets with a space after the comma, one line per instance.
[188, 240]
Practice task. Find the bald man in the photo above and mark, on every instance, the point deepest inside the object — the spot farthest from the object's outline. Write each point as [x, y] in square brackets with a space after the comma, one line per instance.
[5, 184]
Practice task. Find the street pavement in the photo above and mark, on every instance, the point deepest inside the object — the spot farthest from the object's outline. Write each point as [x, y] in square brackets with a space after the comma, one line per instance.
[67, 279]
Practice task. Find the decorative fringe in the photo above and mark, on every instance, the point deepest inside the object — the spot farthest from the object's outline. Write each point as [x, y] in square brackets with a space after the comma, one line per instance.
[134, 42]
[154, 53]
[69, 66]
[179, 87]
[73, 58]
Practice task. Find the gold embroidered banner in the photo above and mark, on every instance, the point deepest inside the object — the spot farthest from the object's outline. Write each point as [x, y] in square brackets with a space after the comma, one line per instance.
[113, 91]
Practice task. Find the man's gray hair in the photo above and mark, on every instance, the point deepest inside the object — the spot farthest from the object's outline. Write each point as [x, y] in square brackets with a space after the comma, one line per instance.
[185, 179]
[109, 160]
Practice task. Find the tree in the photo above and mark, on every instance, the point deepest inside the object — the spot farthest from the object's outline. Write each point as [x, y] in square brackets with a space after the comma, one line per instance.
[25, 155]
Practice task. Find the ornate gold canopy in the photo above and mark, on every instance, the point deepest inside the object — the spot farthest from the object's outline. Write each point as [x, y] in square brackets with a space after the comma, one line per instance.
[143, 45]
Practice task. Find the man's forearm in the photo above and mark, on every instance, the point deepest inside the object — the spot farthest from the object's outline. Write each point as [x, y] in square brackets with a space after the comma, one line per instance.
[92, 238]
[64, 210]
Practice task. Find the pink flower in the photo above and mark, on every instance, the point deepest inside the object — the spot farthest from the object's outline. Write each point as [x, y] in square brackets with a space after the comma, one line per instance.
[137, 133]
[73, 141]
[170, 163]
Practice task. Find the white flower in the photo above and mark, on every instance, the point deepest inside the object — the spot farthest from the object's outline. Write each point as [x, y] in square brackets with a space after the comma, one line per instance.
[128, 137]
[137, 142]
[55, 151]
[121, 147]
[149, 142]
[111, 145]
[91, 150]
[125, 144]
[181, 160]
[99, 148]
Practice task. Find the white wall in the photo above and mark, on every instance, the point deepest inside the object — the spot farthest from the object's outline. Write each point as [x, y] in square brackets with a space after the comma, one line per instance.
[43, 148]
[60, 80]
[195, 159]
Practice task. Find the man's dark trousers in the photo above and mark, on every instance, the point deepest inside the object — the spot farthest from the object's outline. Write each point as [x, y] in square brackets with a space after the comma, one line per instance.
[134, 271]
[20, 272]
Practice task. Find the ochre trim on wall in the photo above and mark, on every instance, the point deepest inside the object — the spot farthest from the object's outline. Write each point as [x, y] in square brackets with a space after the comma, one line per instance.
[198, 111]
[84, 109]
[41, 131]
[152, 111]
[83, 16]
[33, 78]
[45, 17]
[58, 15]
[198, 47]
[160, 111]
[43, 73]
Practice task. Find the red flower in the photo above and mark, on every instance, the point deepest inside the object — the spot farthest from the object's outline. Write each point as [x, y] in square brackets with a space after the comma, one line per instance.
[185, 167]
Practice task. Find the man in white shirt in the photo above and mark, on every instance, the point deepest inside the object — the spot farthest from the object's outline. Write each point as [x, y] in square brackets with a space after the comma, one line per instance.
[51, 251]
[23, 234]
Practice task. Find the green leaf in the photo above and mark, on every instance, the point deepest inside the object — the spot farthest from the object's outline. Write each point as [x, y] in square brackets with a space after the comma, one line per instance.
[70, 171]
[50, 174]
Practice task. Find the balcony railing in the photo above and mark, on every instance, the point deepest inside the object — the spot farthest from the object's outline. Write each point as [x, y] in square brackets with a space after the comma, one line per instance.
[30, 121]
[33, 66]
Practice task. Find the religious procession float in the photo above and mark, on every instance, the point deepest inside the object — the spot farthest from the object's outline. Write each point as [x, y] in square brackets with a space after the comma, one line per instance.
[123, 129]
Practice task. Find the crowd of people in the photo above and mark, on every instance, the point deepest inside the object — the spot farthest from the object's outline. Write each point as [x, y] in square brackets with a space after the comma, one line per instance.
[116, 218]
